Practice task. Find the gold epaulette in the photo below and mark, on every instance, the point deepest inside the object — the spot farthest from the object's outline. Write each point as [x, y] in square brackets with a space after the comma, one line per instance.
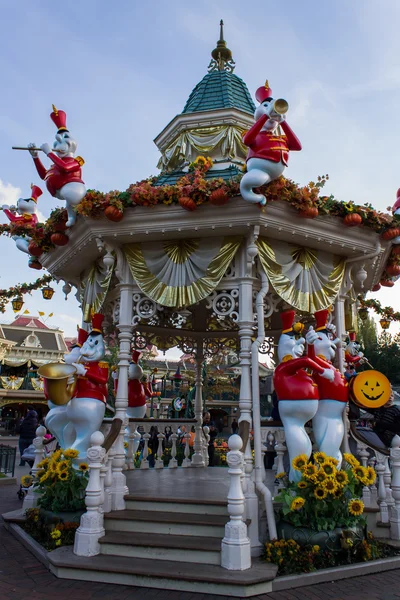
[103, 365]
[80, 160]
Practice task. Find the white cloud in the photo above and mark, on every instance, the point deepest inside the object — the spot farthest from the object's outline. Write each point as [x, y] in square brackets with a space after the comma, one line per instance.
[9, 194]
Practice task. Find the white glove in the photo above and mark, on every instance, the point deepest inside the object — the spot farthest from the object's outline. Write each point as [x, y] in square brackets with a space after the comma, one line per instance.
[311, 336]
[328, 374]
[360, 354]
[45, 148]
[70, 380]
[80, 369]
[33, 153]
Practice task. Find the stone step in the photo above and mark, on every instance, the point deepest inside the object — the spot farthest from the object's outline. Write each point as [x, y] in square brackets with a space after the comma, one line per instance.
[168, 504]
[154, 521]
[163, 574]
[156, 546]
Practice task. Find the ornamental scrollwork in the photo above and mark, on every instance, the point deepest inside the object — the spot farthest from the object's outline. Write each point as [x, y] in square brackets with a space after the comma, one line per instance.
[224, 304]
[139, 341]
[267, 347]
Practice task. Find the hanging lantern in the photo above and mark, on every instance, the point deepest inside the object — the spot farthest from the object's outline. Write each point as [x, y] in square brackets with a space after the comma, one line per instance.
[384, 323]
[17, 304]
[363, 313]
[47, 292]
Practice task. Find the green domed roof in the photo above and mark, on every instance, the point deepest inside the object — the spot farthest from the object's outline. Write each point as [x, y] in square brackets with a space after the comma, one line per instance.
[220, 89]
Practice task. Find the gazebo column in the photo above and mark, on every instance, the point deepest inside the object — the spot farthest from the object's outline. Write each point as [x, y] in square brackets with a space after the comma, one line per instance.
[118, 488]
[198, 457]
[341, 334]
[246, 324]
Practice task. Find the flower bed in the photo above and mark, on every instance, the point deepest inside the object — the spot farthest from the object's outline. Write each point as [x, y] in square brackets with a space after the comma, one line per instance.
[49, 533]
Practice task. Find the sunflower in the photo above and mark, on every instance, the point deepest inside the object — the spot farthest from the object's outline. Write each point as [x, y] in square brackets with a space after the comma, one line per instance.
[26, 481]
[71, 453]
[356, 507]
[328, 468]
[330, 485]
[302, 485]
[342, 478]
[320, 493]
[83, 467]
[351, 460]
[309, 470]
[320, 477]
[297, 503]
[43, 464]
[63, 475]
[45, 476]
[280, 475]
[332, 461]
[53, 466]
[371, 475]
[63, 465]
[360, 473]
[320, 457]
[338, 493]
[56, 455]
[299, 462]
[40, 473]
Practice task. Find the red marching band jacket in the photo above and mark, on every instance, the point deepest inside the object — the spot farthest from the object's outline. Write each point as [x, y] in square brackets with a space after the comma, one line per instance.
[30, 220]
[269, 146]
[338, 389]
[292, 382]
[64, 170]
[94, 383]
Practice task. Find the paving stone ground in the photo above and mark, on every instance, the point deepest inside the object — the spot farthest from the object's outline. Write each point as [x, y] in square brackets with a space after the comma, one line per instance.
[23, 577]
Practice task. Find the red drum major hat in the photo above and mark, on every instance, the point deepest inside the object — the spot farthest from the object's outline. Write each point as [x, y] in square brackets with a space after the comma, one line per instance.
[321, 318]
[287, 318]
[35, 192]
[263, 92]
[352, 336]
[135, 356]
[82, 337]
[97, 322]
[59, 118]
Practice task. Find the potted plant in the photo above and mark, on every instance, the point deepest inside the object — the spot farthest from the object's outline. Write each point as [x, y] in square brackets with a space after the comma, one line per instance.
[324, 507]
[62, 485]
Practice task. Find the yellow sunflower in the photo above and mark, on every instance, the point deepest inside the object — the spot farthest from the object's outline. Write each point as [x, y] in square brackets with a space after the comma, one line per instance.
[333, 461]
[56, 455]
[43, 464]
[356, 507]
[309, 470]
[71, 453]
[320, 457]
[26, 481]
[299, 462]
[83, 467]
[330, 485]
[320, 493]
[297, 503]
[63, 465]
[351, 460]
[280, 475]
[342, 478]
[40, 473]
[328, 468]
[360, 473]
[320, 477]
[45, 476]
[338, 493]
[371, 475]
[63, 475]
[302, 485]
[53, 466]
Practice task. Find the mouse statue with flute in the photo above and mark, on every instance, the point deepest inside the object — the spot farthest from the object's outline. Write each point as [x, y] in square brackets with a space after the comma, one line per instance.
[64, 177]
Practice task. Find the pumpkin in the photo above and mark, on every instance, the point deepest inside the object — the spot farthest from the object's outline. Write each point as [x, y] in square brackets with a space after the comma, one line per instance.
[393, 269]
[187, 203]
[35, 265]
[396, 250]
[114, 214]
[387, 282]
[309, 213]
[376, 287]
[219, 197]
[34, 249]
[59, 239]
[370, 389]
[391, 233]
[61, 224]
[352, 219]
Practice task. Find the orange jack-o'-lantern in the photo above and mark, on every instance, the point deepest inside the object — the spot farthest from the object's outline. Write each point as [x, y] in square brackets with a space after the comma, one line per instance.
[370, 389]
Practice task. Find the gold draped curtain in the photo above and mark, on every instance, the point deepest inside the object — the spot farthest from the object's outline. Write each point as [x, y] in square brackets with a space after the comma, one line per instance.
[11, 383]
[181, 272]
[308, 280]
[203, 140]
[94, 289]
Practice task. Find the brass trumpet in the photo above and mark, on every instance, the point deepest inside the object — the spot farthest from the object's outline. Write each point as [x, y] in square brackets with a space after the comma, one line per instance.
[279, 107]
[56, 375]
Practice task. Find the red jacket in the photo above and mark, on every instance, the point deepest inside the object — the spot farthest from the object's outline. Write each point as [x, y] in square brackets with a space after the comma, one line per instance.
[292, 382]
[30, 220]
[94, 383]
[267, 145]
[349, 358]
[64, 170]
[338, 389]
[136, 393]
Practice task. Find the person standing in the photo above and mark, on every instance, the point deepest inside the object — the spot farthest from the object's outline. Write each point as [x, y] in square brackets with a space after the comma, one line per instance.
[234, 426]
[27, 433]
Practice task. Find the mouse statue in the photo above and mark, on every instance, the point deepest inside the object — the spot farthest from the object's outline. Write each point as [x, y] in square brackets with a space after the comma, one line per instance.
[64, 177]
[268, 148]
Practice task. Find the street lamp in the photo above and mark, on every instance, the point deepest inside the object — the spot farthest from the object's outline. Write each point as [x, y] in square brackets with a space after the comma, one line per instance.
[385, 323]
[47, 292]
[17, 304]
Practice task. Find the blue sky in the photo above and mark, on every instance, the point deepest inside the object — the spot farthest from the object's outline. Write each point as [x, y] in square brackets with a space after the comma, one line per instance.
[122, 70]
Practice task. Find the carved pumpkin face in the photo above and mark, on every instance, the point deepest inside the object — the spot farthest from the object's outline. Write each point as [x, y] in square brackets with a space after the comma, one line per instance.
[370, 389]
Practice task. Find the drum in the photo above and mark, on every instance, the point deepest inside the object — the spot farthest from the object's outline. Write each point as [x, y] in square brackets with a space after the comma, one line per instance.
[370, 389]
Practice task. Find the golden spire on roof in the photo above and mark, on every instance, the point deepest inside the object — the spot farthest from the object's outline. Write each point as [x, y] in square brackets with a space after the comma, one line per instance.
[221, 55]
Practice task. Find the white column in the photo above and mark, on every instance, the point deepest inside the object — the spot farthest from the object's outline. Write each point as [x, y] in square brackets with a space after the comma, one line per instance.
[235, 548]
[30, 500]
[380, 471]
[121, 401]
[395, 512]
[92, 521]
[198, 456]
[341, 334]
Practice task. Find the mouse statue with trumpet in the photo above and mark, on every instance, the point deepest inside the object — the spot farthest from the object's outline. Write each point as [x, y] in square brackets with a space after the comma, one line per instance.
[269, 141]
[64, 177]
[81, 387]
